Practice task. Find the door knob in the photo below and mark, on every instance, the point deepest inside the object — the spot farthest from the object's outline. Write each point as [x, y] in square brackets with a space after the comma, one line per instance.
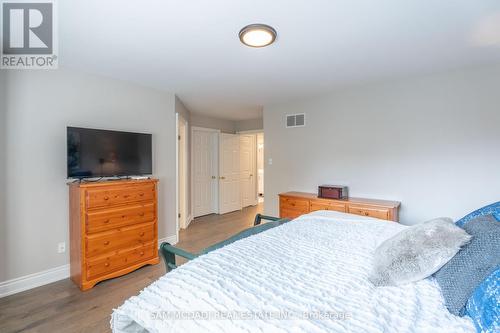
[222, 177]
[213, 177]
[251, 175]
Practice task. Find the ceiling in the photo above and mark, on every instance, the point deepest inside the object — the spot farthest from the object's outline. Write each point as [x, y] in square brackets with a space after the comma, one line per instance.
[192, 48]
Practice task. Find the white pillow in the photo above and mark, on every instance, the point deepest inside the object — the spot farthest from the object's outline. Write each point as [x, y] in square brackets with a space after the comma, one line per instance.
[417, 252]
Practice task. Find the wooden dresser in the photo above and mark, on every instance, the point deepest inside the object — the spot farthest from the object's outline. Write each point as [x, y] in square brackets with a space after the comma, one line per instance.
[294, 204]
[113, 229]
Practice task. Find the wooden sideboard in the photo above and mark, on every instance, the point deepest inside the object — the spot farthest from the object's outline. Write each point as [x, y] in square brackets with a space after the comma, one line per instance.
[113, 229]
[294, 204]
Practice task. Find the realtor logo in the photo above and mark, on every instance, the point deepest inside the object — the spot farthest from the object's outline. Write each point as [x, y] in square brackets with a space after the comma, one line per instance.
[28, 35]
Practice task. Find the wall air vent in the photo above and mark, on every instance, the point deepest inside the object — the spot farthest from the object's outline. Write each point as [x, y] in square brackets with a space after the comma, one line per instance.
[296, 120]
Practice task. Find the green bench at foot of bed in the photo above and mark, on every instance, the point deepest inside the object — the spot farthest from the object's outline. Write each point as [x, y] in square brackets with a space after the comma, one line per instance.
[169, 252]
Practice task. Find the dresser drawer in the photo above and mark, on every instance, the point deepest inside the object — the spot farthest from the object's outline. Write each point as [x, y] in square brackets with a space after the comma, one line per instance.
[121, 259]
[325, 205]
[290, 213]
[295, 204]
[111, 218]
[102, 197]
[379, 213]
[119, 238]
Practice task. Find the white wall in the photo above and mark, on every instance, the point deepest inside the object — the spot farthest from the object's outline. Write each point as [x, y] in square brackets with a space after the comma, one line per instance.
[40, 104]
[199, 120]
[249, 125]
[181, 109]
[431, 142]
[225, 125]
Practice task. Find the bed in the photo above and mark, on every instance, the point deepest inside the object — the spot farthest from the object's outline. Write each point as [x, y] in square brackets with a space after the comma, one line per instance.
[307, 275]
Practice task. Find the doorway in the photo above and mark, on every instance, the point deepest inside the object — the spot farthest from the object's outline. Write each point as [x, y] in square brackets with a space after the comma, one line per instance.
[229, 173]
[248, 160]
[260, 167]
[226, 171]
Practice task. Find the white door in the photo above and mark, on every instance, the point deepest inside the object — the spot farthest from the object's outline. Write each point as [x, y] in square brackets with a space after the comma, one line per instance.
[260, 164]
[204, 166]
[229, 173]
[248, 167]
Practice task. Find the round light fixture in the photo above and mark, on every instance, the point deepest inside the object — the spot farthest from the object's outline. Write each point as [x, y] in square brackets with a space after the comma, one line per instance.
[257, 35]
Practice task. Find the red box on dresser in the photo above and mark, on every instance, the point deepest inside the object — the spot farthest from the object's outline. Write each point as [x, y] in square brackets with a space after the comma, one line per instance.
[332, 192]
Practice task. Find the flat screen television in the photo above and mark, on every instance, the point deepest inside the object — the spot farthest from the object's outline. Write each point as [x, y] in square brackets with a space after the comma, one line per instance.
[102, 153]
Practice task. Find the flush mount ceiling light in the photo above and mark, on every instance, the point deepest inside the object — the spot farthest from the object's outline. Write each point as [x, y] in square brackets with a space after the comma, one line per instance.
[257, 35]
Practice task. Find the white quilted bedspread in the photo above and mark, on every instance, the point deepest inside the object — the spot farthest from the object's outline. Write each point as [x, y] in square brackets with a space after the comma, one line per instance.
[309, 275]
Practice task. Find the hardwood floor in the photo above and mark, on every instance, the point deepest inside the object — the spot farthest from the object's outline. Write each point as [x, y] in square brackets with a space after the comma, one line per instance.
[62, 307]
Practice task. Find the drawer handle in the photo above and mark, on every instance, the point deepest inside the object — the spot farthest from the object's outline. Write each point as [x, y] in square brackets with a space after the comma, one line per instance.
[106, 242]
[141, 234]
[126, 196]
[124, 216]
[141, 214]
[106, 221]
[142, 253]
[141, 194]
[106, 264]
[106, 198]
[366, 213]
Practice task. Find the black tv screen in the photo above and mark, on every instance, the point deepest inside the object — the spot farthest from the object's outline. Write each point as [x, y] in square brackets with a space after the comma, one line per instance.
[102, 153]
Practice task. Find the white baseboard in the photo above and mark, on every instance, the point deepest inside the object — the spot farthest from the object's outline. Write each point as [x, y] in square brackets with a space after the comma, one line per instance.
[42, 278]
[34, 280]
[189, 220]
[170, 239]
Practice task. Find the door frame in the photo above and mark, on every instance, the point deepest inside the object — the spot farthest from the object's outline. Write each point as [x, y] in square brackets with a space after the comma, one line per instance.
[251, 132]
[182, 171]
[177, 176]
[215, 188]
